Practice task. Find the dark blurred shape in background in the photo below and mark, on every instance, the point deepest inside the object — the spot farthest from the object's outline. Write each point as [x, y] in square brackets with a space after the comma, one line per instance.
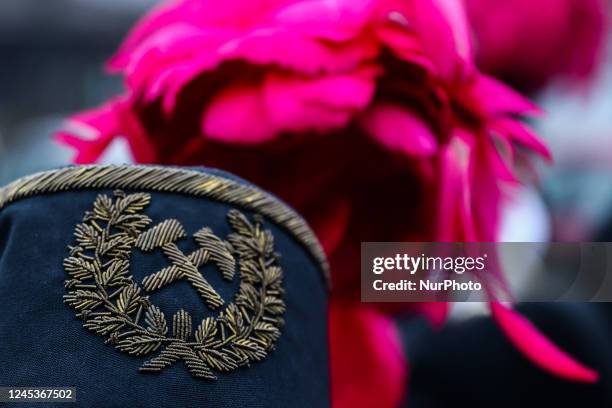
[52, 64]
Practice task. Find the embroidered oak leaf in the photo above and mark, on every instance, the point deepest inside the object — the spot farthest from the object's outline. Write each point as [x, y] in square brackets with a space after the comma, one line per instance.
[250, 272]
[84, 299]
[129, 204]
[219, 360]
[156, 321]
[131, 223]
[129, 299]
[248, 297]
[79, 268]
[267, 333]
[250, 239]
[181, 325]
[274, 305]
[247, 350]
[140, 344]
[103, 208]
[104, 324]
[272, 276]
[116, 246]
[87, 236]
[240, 223]
[232, 317]
[206, 331]
[116, 273]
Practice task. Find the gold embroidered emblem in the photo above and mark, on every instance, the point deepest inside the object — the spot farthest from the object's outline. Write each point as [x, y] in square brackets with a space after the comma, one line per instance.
[105, 295]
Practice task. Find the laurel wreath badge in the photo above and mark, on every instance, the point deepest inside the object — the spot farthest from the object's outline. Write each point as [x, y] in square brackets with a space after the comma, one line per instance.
[103, 293]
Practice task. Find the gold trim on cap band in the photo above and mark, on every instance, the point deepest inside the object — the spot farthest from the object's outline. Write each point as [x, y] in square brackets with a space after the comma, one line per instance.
[172, 180]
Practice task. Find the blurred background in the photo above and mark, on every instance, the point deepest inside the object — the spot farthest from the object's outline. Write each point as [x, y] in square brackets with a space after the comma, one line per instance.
[52, 65]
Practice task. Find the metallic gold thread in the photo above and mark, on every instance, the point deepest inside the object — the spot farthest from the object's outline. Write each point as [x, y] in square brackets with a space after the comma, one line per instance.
[112, 304]
[172, 180]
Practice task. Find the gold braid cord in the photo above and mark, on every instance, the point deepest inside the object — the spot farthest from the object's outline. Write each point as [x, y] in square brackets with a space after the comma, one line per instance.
[170, 180]
[112, 304]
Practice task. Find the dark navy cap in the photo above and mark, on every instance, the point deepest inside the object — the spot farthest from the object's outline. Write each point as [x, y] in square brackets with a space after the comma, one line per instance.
[160, 287]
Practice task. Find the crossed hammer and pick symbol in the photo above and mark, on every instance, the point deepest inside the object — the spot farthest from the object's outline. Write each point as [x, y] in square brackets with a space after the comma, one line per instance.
[186, 266]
